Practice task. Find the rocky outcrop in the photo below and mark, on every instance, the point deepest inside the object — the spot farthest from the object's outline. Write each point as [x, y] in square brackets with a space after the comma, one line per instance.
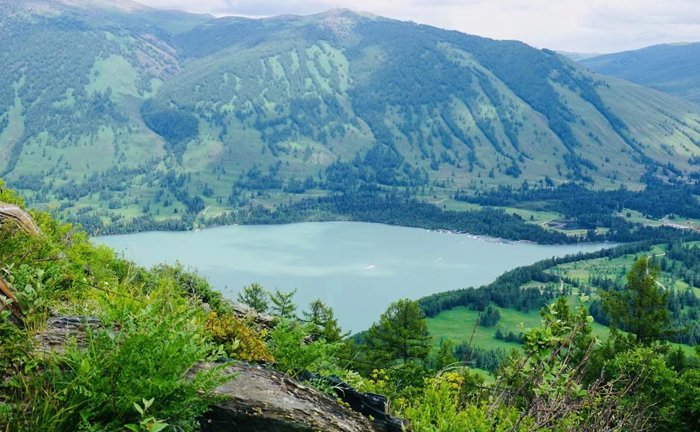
[257, 399]
[370, 405]
[11, 213]
[246, 313]
[60, 330]
[263, 400]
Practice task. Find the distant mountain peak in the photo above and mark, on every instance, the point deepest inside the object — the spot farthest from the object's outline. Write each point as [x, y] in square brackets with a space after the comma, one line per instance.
[342, 21]
[577, 56]
[681, 43]
[347, 12]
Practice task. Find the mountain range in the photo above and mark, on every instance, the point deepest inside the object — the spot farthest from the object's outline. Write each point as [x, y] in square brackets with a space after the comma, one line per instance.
[117, 110]
[670, 68]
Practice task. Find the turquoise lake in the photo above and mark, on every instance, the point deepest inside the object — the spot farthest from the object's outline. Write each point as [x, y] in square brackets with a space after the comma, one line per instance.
[357, 268]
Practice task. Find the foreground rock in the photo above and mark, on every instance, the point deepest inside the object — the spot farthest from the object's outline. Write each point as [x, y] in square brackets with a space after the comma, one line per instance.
[262, 400]
[368, 404]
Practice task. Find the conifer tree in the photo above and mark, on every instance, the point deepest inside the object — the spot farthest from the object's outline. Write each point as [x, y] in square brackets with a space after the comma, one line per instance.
[400, 334]
[283, 305]
[445, 356]
[255, 296]
[325, 324]
[642, 307]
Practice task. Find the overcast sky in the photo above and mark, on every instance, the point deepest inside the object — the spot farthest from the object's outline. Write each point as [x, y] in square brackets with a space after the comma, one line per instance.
[569, 25]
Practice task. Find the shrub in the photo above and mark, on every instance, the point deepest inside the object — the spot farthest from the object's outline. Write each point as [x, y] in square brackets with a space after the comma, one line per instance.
[94, 388]
[294, 352]
[439, 410]
[238, 339]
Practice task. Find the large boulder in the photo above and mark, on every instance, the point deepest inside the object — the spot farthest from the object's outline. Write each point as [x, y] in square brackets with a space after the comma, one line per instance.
[264, 400]
[256, 399]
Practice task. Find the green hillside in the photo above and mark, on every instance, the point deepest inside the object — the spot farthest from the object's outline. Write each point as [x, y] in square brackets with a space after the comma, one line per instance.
[113, 111]
[519, 294]
[670, 68]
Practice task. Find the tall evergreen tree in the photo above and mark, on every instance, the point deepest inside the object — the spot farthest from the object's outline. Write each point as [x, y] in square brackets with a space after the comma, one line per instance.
[325, 324]
[400, 334]
[283, 305]
[642, 307]
[255, 296]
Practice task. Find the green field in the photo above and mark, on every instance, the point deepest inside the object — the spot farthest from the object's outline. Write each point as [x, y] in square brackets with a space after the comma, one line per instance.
[458, 324]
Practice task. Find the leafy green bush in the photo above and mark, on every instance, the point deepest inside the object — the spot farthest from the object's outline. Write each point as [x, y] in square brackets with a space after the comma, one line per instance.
[190, 284]
[438, 410]
[146, 355]
[294, 352]
[238, 339]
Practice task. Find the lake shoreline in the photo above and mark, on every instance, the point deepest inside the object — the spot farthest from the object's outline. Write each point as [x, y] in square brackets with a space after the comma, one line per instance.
[356, 267]
[479, 237]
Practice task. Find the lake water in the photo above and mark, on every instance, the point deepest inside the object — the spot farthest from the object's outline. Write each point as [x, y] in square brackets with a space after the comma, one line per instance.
[357, 268]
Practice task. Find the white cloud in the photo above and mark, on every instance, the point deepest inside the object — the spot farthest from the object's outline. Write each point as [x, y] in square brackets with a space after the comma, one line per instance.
[572, 25]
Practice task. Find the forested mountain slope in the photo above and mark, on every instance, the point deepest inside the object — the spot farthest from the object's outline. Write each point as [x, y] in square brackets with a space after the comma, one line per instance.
[670, 68]
[117, 110]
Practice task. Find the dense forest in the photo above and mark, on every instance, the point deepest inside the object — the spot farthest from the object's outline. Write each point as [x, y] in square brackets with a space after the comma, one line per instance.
[657, 200]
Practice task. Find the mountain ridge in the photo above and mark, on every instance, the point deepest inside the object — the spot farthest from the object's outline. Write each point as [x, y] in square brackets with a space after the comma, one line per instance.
[160, 110]
[670, 68]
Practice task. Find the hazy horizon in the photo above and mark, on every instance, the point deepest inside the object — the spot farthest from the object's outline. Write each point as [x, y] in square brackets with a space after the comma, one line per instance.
[579, 26]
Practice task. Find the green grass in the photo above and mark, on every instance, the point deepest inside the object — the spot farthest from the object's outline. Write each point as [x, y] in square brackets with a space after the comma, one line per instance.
[458, 324]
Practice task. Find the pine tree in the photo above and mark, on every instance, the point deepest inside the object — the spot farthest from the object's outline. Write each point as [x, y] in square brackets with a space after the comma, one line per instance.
[255, 296]
[642, 307]
[445, 356]
[677, 360]
[400, 334]
[325, 325]
[282, 304]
